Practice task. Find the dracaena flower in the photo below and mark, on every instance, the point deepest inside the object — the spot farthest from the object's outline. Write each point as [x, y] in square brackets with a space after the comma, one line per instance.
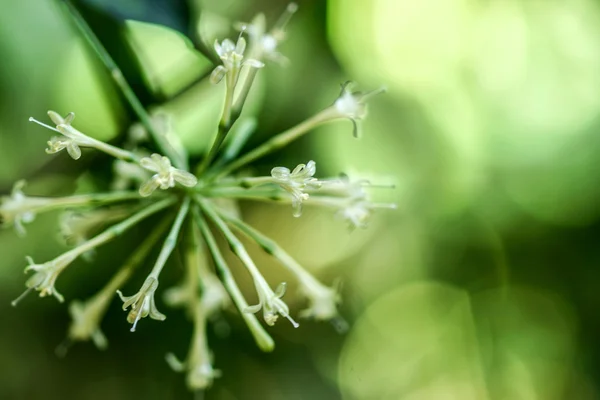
[271, 304]
[296, 182]
[17, 209]
[85, 321]
[323, 301]
[166, 175]
[142, 303]
[45, 275]
[264, 43]
[353, 105]
[71, 140]
[232, 56]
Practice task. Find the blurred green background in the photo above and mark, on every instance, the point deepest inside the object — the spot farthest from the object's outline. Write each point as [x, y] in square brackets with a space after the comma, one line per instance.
[482, 285]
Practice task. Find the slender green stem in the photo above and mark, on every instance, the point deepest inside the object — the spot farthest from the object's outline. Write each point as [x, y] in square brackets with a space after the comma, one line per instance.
[262, 338]
[66, 258]
[245, 182]
[238, 137]
[243, 93]
[231, 113]
[212, 153]
[101, 300]
[171, 239]
[136, 258]
[43, 204]
[118, 229]
[113, 151]
[271, 247]
[121, 82]
[236, 245]
[271, 194]
[278, 141]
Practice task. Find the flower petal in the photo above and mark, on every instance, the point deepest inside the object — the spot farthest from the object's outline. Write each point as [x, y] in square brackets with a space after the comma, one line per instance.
[149, 186]
[185, 178]
[217, 75]
[74, 150]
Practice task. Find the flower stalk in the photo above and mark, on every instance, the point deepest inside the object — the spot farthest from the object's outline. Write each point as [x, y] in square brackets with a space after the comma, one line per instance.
[263, 340]
[269, 301]
[323, 300]
[46, 274]
[117, 76]
[142, 303]
[87, 315]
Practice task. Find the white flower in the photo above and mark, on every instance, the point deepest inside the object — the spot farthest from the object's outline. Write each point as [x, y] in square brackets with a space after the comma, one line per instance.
[323, 301]
[198, 364]
[17, 209]
[166, 175]
[270, 302]
[357, 212]
[142, 303]
[200, 372]
[44, 278]
[352, 105]
[71, 140]
[233, 59]
[214, 295]
[355, 206]
[85, 324]
[264, 44]
[296, 181]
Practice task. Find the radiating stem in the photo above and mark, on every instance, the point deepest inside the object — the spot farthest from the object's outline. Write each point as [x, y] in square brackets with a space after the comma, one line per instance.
[271, 194]
[43, 204]
[121, 227]
[128, 93]
[236, 245]
[237, 139]
[277, 142]
[271, 247]
[171, 239]
[134, 260]
[262, 338]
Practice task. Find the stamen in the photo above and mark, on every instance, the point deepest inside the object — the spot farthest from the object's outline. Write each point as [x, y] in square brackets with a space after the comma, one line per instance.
[21, 297]
[31, 119]
[294, 323]
[242, 30]
[374, 92]
[287, 315]
[139, 315]
[286, 16]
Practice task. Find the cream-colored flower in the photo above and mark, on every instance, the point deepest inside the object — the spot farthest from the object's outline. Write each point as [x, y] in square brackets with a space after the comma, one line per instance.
[166, 175]
[271, 304]
[85, 324]
[18, 209]
[45, 275]
[352, 105]
[71, 140]
[233, 59]
[296, 182]
[323, 300]
[264, 44]
[142, 303]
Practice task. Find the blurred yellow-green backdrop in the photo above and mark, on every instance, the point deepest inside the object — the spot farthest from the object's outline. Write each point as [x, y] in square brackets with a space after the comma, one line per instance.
[483, 284]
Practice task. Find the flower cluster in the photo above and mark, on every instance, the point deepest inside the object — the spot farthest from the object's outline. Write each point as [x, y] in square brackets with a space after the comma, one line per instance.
[188, 213]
